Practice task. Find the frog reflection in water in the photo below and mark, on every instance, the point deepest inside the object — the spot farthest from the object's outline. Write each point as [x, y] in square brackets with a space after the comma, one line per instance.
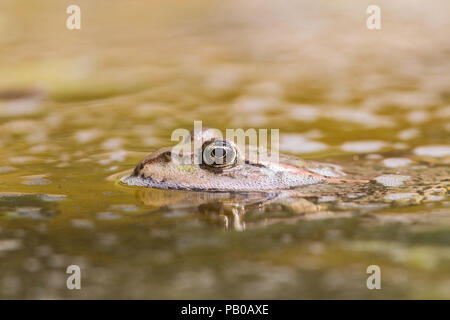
[226, 180]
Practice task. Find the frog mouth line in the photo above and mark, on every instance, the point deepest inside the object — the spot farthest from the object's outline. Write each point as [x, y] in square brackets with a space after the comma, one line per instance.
[149, 182]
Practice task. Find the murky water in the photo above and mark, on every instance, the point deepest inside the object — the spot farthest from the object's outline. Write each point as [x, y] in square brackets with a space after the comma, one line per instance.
[79, 106]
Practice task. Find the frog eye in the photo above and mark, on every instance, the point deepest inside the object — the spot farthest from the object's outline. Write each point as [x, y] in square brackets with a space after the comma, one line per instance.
[219, 154]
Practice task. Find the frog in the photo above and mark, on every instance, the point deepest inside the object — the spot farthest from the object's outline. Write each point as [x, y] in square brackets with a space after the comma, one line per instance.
[224, 180]
[222, 166]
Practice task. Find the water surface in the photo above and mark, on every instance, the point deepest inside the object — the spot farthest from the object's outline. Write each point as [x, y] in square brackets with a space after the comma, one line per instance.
[79, 106]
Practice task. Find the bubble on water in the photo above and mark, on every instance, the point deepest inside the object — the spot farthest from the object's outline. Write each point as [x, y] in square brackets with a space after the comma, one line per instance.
[20, 107]
[10, 244]
[252, 119]
[443, 113]
[418, 116]
[435, 198]
[436, 151]
[36, 137]
[266, 88]
[313, 134]
[143, 130]
[116, 156]
[297, 143]
[53, 197]
[11, 284]
[125, 207]
[43, 251]
[27, 212]
[254, 105]
[41, 228]
[361, 207]
[107, 215]
[304, 113]
[85, 136]
[374, 156]
[53, 120]
[150, 141]
[396, 162]
[21, 160]
[222, 78]
[400, 146]
[328, 170]
[35, 180]
[354, 195]
[57, 261]
[32, 264]
[82, 223]
[112, 144]
[54, 279]
[327, 199]
[175, 214]
[21, 101]
[40, 148]
[391, 180]
[107, 239]
[148, 109]
[7, 169]
[411, 100]
[400, 196]
[316, 248]
[21, 126]
[363, 146]
[359, 116]
[408, 134]
[63, 165]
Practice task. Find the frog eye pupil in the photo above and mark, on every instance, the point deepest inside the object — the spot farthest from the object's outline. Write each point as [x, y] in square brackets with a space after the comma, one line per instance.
[219, 152]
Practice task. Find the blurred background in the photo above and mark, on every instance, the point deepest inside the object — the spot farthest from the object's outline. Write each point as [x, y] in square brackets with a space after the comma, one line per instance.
[79, 105]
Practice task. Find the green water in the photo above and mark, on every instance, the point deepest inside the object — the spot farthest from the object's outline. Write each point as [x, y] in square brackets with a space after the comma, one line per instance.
[77, 107]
